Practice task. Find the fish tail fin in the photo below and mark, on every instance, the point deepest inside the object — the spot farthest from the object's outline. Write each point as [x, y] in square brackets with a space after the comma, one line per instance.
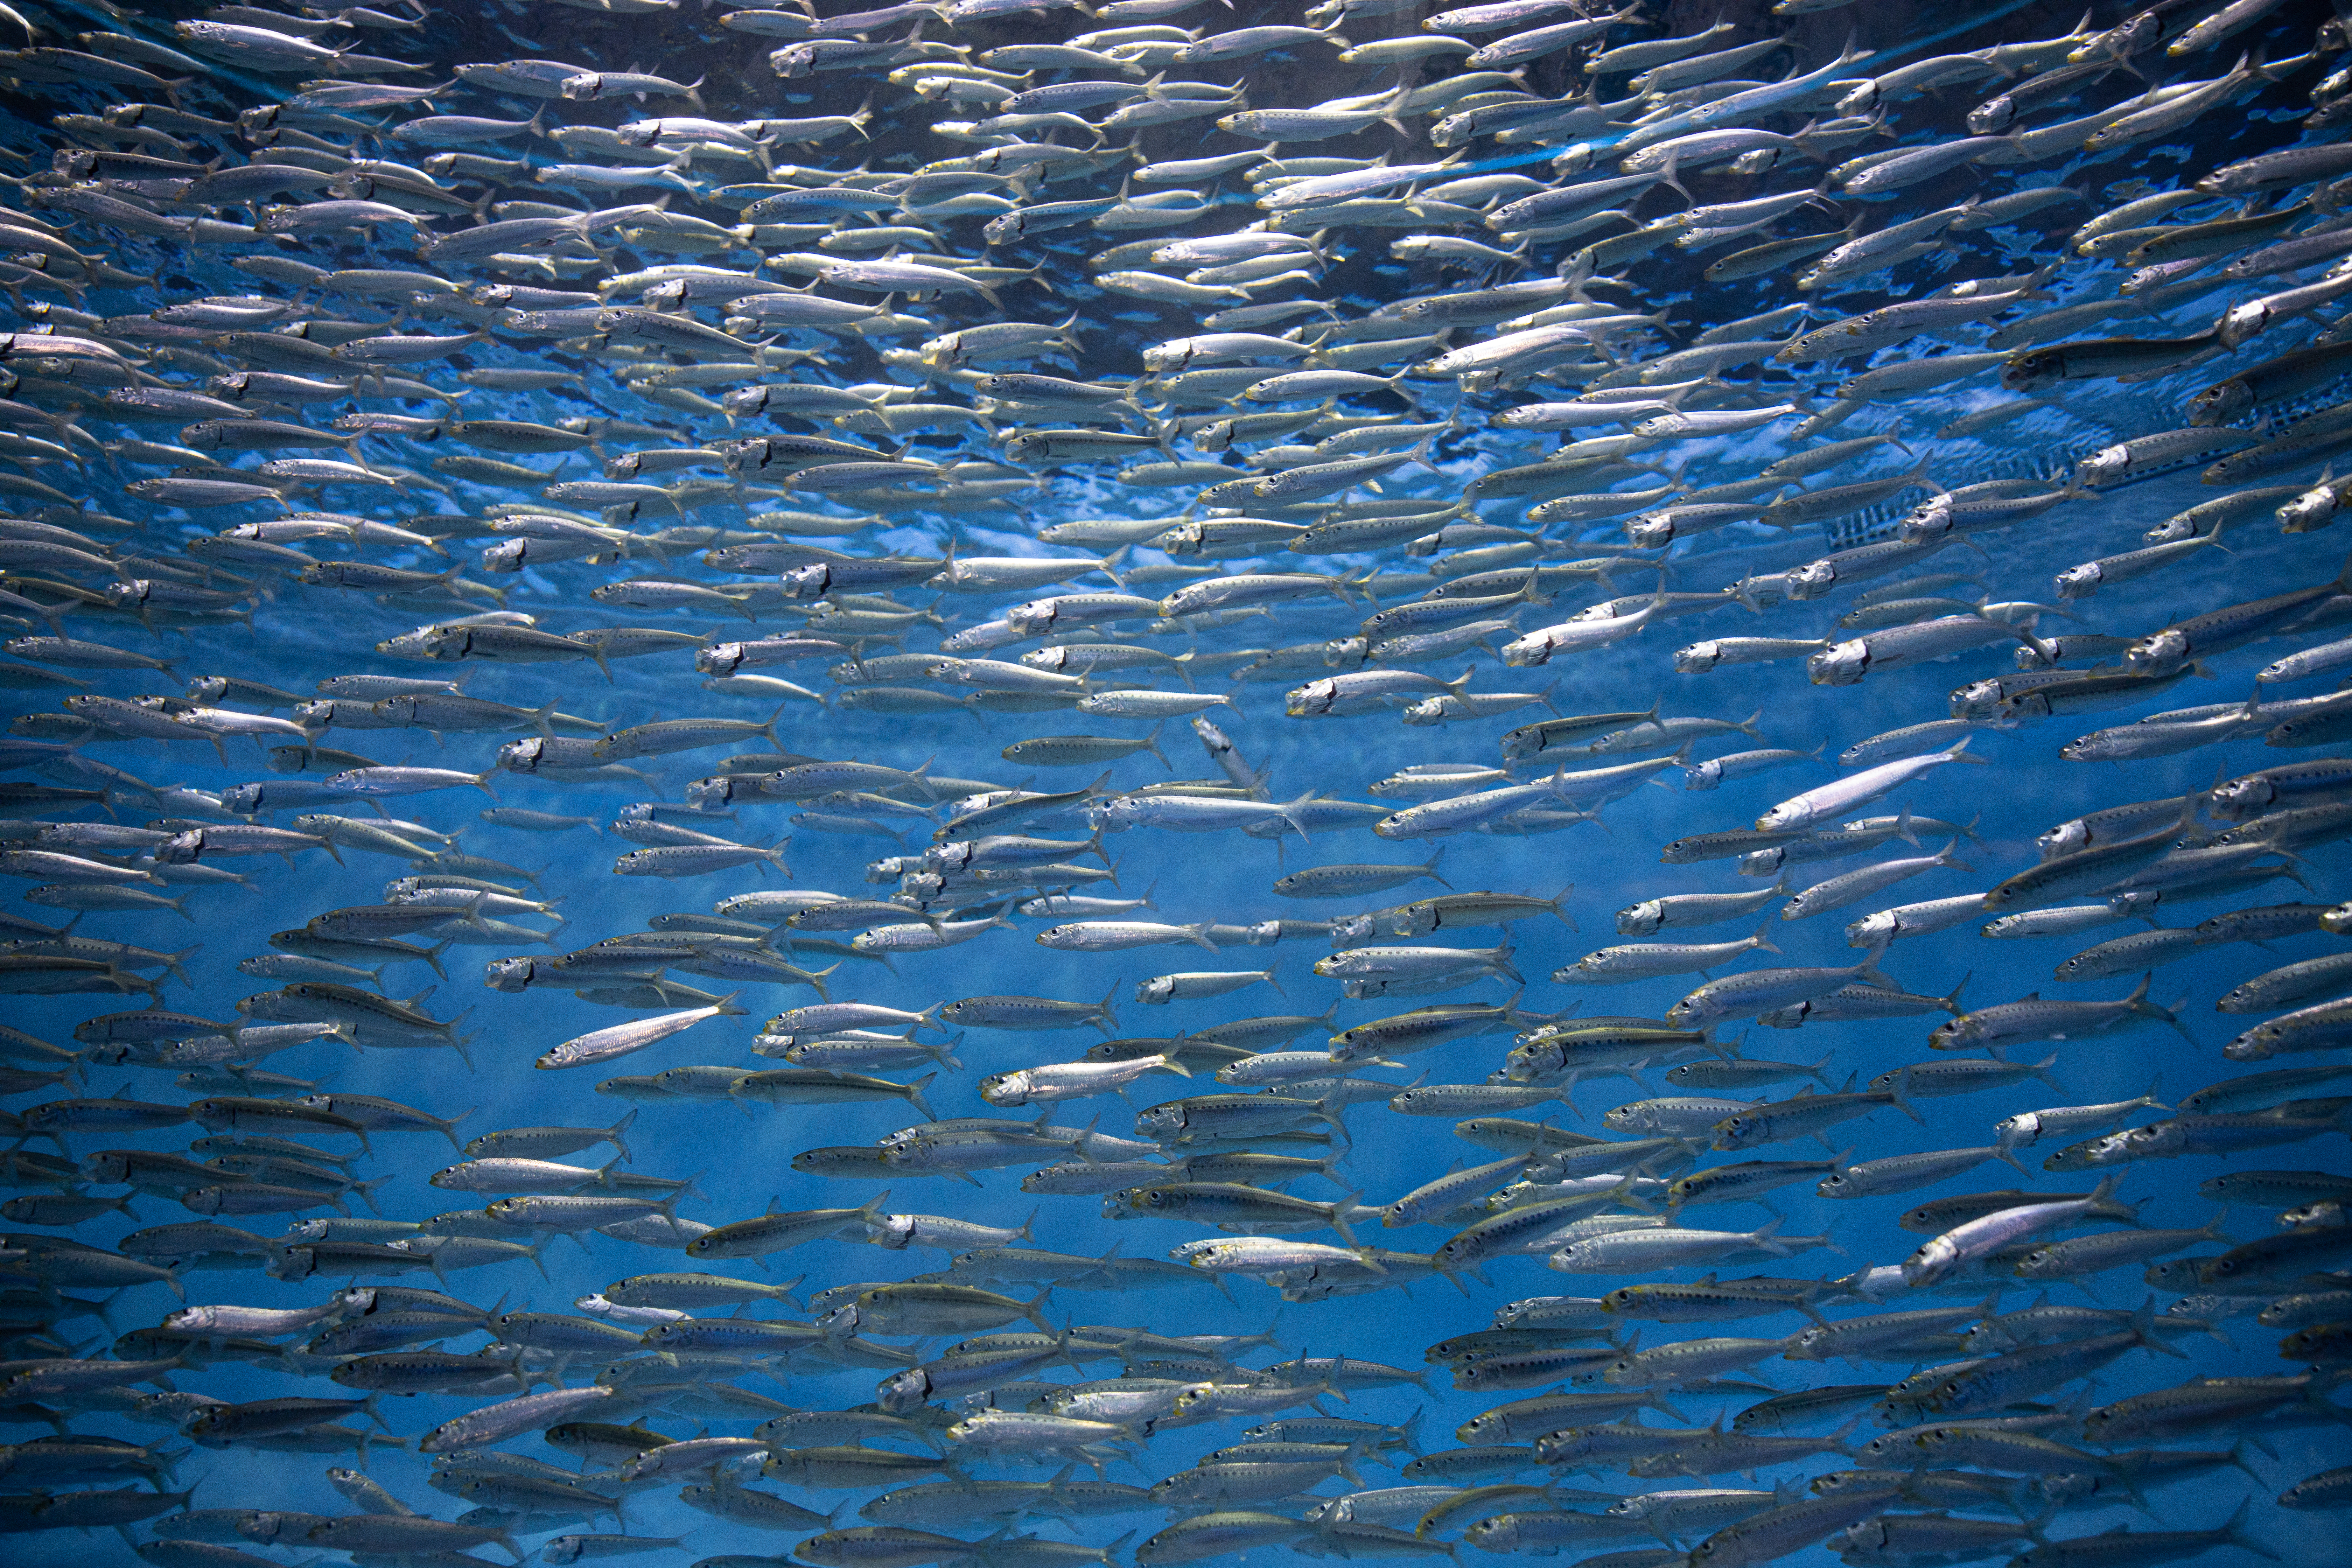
[2236, 1533]
[1290, 813]
[2143, 1328]
[1900, 1096]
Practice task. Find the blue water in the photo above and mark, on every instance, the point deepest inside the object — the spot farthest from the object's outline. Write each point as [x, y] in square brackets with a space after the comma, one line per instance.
[741, 1160]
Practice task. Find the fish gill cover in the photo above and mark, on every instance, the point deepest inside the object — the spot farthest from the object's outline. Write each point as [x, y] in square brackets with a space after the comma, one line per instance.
[1015, 784]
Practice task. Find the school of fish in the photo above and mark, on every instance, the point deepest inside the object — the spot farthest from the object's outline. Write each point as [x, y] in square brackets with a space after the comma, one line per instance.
[912, 441]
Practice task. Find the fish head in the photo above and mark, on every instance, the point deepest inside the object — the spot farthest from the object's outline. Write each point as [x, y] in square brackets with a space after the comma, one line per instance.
[804, 582]
[2037, 1263]
[1872, 929]
[1431, 711]
[1977, 701]
[1531, 649]
[1836, 1185]
[1652, 532]
[106, 1169]
[2241, 323]
[1563, 1448]
[2023, 707]
[1841, 664]
[2312, 510]
[181, 848]
[522, 756]
[1643, 919]
[1034, 619]
[2034, 370]
[1498, 1532]
[2221, 404]
[2190, 1273]
[1491, 1426]
[1992, 116]
[2080, 966]
[2087, 1155]
[127, 596]
[2241, 798]
[2326, 1213]
[1697, 658]
[1118, 814]
[1149, 1200]
[2079, 581]
[1931, 1262]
